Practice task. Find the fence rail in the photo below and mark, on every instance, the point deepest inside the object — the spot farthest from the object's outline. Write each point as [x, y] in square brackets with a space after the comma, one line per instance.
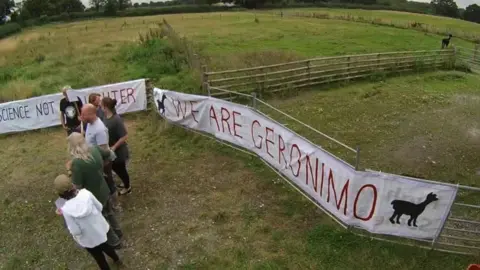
[460, 234]
[317, 71]
[469, 57]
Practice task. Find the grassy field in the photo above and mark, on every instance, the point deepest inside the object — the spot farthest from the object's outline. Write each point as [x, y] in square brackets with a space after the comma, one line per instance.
[429, 23]
[89, 52]
[198, 205]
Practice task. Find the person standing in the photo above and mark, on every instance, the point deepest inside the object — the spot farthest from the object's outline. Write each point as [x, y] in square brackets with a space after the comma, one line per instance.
[86, 169]
[96, 100]
[96, 134]
[82, 214]
[70, 113]
[117, 134]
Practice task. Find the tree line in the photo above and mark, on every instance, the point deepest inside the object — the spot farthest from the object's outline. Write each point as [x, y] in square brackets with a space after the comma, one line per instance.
[32, 9]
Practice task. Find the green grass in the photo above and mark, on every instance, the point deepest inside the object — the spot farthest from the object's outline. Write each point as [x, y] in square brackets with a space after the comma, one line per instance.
[429, 23]
[88, 53]
[199, 205]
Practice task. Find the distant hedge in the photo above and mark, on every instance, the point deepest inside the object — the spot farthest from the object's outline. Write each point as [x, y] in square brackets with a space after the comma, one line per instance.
[132, 12]
[9, 29]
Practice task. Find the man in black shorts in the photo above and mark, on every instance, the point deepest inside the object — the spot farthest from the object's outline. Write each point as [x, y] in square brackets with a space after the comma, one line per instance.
[70, 116]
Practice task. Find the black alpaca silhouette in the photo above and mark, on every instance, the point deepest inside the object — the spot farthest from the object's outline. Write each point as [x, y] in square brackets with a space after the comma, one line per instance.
[411, 209]
[161, 106]
[446, 41]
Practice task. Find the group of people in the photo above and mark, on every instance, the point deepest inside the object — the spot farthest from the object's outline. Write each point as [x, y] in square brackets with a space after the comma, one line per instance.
[88, 195]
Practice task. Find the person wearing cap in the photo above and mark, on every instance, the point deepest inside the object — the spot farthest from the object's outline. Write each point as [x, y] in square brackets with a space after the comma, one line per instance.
[86, 170]
[83, 215]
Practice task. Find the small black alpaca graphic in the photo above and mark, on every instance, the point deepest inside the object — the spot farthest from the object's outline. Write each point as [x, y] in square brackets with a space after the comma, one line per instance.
[411, 209]
[161, 106]
[446, 41]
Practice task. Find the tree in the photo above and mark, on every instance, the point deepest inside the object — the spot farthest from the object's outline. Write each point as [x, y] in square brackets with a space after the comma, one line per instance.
[69, 6]
[5, 7]
[111, 7]
[445, 8]
[124, 4]
[37, 8]
[97, 4]
[472, 13]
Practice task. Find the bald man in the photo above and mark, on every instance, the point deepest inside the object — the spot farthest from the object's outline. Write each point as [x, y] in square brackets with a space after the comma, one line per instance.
[96, 132]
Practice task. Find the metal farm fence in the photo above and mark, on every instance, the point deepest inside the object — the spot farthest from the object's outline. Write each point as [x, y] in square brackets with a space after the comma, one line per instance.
[469, 58]
[461, 231]
[318, 71]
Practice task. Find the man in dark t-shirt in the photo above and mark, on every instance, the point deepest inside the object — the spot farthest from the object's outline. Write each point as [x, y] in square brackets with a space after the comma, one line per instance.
[70, 117]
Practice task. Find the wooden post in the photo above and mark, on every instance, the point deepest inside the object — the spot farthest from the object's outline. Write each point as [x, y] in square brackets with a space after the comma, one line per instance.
[348, 69]
[204, 79]
[308, 70]
[150, 97]
[378, 62]
[475, 53]
[454, 57]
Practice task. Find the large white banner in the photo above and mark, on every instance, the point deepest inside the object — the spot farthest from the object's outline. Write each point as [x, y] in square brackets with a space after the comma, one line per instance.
[377, 202]
[131, 96]
[44, 111]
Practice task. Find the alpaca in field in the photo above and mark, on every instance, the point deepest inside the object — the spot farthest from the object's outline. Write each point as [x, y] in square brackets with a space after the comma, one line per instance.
[411, 209]
[446, 41]
[161, 105]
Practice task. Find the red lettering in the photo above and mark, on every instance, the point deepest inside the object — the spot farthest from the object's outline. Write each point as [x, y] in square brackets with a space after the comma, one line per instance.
[193, 111]
[323, 177]
[374, 204]
[178, 108]
[253, 139]
[213, 115]
[267, 129]
[123, 96]
[235, 125]
[308, 171]
[225, 120]
[281, 148]
[298, 159]
[343, 194]
[131, 93]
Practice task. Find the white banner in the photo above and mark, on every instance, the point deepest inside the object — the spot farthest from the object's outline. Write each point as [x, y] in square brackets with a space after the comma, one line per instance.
[44, 111]
[131, 96]
[377, 202]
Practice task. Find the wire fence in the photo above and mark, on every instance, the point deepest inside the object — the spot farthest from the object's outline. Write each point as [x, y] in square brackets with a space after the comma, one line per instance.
[461, 231]
[317, 71]
[470, 58]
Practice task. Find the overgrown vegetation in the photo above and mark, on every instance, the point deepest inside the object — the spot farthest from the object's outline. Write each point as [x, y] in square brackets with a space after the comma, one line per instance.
[9, 29]
[198, 205]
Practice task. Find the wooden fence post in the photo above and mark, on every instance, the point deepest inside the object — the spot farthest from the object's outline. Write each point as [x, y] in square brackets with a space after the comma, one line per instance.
[348, 69]
[205, 87]
[454, 58]
[308, 70]
[475, 52]
[150, 97]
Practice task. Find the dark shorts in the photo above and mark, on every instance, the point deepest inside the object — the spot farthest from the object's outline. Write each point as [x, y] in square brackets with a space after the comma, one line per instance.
[71, 130]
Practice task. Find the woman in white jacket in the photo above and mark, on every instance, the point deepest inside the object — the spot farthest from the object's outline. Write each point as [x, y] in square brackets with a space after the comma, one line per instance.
[83, 215]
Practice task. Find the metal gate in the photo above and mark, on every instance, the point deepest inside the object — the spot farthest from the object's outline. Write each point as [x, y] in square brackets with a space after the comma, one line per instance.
[469, 58]
[461, 231]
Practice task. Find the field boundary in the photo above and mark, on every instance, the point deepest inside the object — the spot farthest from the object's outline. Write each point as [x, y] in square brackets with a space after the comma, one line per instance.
[412, 25]
[323, 70]
[469, 58]
[458, 233]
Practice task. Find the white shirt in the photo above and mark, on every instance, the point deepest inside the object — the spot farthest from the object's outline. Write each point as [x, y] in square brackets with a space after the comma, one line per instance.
[96, 133]
[83, 215]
